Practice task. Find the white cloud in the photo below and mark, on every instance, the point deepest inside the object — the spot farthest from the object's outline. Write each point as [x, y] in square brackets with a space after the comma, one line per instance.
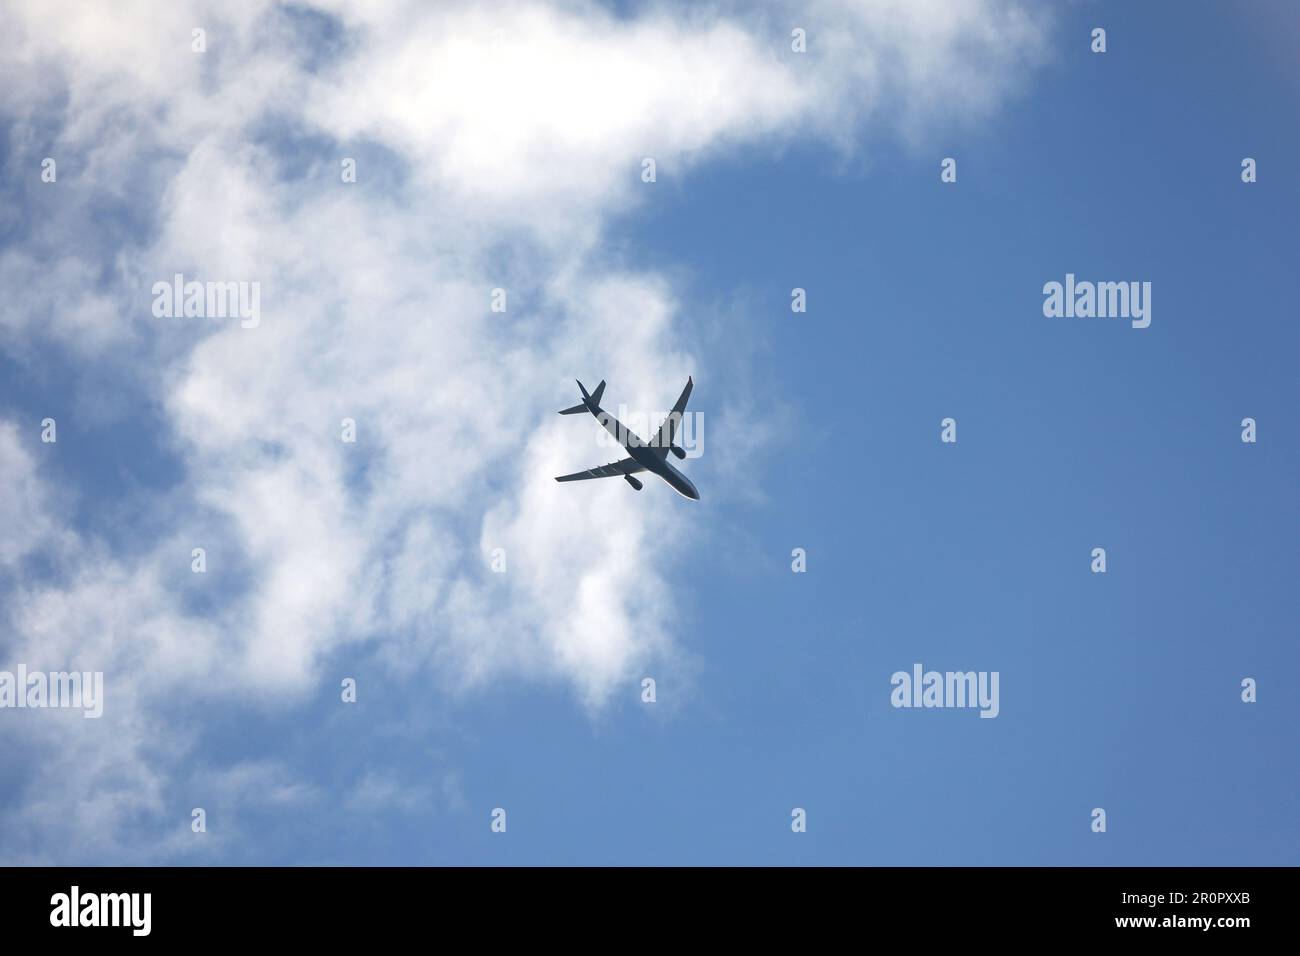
[507, 135]
[25, 511]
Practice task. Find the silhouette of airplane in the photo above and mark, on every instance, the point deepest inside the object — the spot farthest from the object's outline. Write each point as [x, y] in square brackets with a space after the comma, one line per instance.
[649, 456]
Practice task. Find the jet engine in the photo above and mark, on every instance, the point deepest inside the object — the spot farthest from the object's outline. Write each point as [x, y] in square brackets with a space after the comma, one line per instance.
[633, 482]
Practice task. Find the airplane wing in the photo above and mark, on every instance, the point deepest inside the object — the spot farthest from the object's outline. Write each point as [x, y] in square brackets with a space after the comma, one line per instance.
[668, 430]
[625, 467]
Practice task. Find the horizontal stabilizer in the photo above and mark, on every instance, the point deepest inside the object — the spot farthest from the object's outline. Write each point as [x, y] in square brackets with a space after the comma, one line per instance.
[589, 402]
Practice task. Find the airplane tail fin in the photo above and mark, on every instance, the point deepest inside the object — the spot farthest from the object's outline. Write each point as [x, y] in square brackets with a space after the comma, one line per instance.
[593, 399]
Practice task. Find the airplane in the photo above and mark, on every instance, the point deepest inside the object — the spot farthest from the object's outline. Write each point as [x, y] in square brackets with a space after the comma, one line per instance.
[649, 456]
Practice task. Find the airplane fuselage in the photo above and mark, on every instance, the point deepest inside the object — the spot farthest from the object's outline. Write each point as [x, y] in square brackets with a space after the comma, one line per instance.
[650, 458]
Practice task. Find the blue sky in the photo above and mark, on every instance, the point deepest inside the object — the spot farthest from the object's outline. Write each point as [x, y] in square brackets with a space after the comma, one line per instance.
[1118, 690]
